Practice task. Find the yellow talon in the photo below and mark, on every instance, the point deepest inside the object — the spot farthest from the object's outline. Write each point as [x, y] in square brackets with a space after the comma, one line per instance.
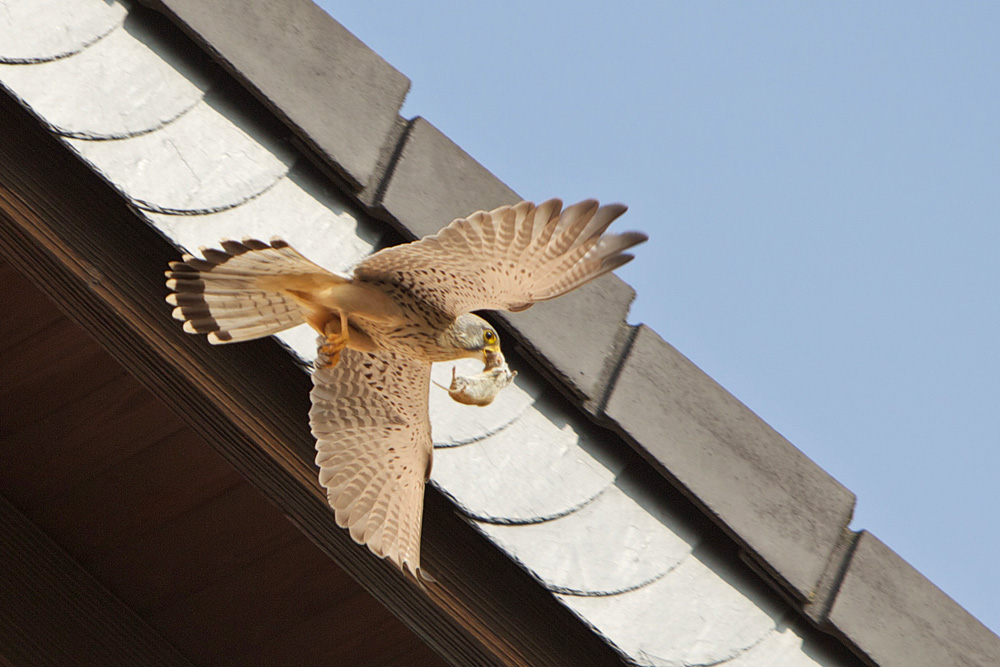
[337, 337]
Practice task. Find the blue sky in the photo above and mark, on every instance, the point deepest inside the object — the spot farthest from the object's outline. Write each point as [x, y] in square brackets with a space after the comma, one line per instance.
[821, 188]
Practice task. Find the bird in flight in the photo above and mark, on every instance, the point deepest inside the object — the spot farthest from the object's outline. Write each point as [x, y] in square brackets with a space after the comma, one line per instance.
[380, 330]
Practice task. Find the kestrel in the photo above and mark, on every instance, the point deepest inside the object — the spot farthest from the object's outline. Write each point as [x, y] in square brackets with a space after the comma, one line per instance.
[380, 329]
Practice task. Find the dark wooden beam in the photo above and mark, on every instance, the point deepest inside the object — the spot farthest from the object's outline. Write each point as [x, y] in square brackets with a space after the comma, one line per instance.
[78, 241]
[54, 613]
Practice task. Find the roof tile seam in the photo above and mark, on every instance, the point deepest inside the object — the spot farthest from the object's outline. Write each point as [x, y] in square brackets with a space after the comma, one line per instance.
[815, 611]
[508, 521]
[740, 652]
[828, 587]
[655, 660]
[385, 169]
[59, 56]
[479, 437]
[90, 136]
[768, 573]
[369, 198]
[580, 593]
[145, 205]
[613, 366]
[392, 156]
[167, 210]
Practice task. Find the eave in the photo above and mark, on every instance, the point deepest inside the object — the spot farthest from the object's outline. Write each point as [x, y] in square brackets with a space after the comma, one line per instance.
[73, 237]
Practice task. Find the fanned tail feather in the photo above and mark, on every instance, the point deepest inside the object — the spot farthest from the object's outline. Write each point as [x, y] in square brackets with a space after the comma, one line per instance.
[234, 294]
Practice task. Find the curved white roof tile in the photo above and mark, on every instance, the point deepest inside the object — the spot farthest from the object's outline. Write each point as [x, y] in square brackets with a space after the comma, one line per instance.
[200, 163]
[783, 647]
[302, 212]
[609, 546]
[540, 466]
[694, 615]
[118, 87]
[38, 30]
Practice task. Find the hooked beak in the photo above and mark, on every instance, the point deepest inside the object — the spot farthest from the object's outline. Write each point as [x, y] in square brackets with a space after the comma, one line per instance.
[492, 356]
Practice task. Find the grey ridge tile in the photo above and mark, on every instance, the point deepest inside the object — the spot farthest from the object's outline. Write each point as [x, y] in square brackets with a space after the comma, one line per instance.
[898, 618]
[434, 181]
[787, 510]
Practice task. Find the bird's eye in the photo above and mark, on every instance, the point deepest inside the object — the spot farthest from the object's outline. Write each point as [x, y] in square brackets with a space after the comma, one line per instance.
[489, 337]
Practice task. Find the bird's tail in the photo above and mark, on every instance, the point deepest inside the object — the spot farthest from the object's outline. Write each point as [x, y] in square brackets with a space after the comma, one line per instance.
[243, 291]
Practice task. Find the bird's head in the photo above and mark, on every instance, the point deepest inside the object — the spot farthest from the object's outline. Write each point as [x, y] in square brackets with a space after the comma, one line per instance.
[473, 337]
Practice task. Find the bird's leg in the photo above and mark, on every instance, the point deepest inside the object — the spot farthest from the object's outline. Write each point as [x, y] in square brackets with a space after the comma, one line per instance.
[337, 336]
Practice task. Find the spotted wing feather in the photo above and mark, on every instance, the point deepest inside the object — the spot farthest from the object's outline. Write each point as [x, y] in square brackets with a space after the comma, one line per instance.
[507, 258]
[370, 419]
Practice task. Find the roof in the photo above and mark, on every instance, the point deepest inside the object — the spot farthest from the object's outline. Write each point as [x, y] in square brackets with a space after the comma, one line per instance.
[668, 518]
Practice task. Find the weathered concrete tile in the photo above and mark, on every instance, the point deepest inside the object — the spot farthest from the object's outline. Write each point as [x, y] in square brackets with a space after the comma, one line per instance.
[898, 618]
[542, 464]
[608, 546]
[340, 95]
[316, 221]
[115, 88]
[434, 182]
[784, 647]
[787, 510]
[695, 615]
[37, 30]
[201, 162]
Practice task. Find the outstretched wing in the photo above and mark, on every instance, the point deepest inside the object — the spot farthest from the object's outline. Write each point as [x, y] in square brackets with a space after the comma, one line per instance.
[507, 258]
[373, 439]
